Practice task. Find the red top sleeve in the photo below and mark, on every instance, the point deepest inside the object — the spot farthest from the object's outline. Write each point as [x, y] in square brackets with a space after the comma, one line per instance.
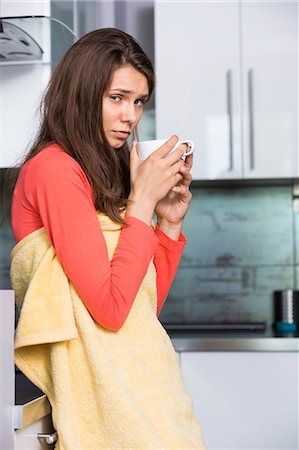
[52, 191]
[167, 257]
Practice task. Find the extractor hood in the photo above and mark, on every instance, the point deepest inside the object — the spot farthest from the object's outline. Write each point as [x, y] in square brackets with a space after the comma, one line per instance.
[16, 44]
[27, 39]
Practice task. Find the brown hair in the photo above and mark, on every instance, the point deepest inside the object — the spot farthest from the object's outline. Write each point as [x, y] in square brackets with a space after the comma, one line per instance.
[71, 112]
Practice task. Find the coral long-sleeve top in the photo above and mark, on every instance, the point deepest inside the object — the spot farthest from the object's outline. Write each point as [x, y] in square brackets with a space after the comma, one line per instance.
[52, 191]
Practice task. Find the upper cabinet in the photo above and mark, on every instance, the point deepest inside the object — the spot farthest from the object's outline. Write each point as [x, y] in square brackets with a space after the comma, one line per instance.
[270, 88]
[227, 77]
[22, 79]
[23, 8]
[31, 42]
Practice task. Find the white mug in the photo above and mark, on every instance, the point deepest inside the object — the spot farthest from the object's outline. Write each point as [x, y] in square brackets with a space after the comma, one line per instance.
[145, 148]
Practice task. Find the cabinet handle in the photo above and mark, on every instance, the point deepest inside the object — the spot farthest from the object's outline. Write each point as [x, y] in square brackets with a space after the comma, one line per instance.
[49, 438]
[251, 118]
[230, 118]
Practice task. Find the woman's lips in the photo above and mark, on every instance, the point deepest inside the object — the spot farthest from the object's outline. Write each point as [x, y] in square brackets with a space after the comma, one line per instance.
[121, 134]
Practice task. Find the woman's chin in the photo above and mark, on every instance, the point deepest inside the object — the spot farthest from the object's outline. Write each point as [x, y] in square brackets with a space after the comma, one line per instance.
[117, 143]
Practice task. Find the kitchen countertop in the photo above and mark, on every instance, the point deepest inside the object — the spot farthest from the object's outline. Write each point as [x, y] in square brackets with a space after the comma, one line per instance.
[255, 341]
[32, 404]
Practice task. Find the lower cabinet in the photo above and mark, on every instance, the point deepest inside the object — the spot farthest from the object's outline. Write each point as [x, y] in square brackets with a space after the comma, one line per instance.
[29, 437]
[245, 400]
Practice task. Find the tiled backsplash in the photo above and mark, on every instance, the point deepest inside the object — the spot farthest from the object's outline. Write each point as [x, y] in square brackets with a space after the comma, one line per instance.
[243, 243]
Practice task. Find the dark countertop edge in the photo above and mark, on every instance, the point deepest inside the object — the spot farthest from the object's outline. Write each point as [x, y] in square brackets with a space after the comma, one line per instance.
[256, 337]
[232, 344]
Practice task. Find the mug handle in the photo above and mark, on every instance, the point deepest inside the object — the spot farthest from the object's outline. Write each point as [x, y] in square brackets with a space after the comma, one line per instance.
[190, 145]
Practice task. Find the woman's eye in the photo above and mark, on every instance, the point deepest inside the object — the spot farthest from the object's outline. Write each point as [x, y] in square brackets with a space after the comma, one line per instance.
[139, 102]
[115, 98]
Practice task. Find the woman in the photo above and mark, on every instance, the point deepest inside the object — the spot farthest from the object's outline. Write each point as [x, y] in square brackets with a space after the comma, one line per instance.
[90, 270]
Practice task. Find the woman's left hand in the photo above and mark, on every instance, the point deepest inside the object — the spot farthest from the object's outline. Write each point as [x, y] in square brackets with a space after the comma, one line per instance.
[171, 210]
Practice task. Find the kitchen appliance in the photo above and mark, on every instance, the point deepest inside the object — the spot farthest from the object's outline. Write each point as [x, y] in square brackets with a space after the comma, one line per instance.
[286, 310]
[16, 44]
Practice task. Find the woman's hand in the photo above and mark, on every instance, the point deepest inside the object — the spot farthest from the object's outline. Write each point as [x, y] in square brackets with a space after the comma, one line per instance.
[172, 209]
[153, 178]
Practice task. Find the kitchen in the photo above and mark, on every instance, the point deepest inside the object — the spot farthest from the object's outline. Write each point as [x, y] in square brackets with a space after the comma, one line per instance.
[240, 79]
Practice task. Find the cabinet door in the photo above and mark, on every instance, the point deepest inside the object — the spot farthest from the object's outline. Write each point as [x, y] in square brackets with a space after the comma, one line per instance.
[270, 83]
[22, 84]
[198, 82]
[7, 388]
[21, 88]
[27, 438]
[21, 8]
[245, 400]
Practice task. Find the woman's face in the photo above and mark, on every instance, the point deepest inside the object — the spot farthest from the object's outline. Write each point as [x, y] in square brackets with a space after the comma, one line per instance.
[122, 105]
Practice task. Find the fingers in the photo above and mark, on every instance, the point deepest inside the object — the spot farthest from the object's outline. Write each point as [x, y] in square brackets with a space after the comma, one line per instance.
[172, 175]
[166, 151]
[180, 189]
[176, 154]
[177, 167]
[167, 147]
[177, 178]
[183, 192]
[134, 159]
[187, 177]
[154, 177]
[134, 151]
[183, 186]
[189, 160]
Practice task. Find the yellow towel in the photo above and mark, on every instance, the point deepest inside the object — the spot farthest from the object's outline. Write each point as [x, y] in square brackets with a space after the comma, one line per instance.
[108, 390]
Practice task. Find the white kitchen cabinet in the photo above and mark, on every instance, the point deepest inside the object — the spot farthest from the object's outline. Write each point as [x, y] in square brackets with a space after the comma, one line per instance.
[23, 82]
[21, 7]
[7, 387]
[27, 438]
[227, 77]
[21, 89]
[245, 400]
[270, 88]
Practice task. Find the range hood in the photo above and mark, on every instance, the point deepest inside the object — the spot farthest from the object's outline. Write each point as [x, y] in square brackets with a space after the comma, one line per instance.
[16, 44]
[28, 38]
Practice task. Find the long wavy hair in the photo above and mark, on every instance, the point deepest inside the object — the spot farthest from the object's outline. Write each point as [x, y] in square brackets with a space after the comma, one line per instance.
[71, 113]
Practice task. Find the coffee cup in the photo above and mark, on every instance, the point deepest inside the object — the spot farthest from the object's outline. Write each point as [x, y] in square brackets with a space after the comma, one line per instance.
[145, 148]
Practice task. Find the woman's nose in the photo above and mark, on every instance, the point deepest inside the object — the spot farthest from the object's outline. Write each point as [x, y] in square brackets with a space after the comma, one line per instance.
[128, 113]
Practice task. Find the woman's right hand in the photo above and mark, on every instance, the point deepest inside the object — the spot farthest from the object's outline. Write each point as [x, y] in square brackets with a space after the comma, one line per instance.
[153, 178]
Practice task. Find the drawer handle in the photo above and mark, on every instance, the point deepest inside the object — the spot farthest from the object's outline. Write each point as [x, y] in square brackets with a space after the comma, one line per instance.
[49, 438]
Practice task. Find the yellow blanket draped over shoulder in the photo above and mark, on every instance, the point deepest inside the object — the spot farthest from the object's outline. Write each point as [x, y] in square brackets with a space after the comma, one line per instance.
[108, 390]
